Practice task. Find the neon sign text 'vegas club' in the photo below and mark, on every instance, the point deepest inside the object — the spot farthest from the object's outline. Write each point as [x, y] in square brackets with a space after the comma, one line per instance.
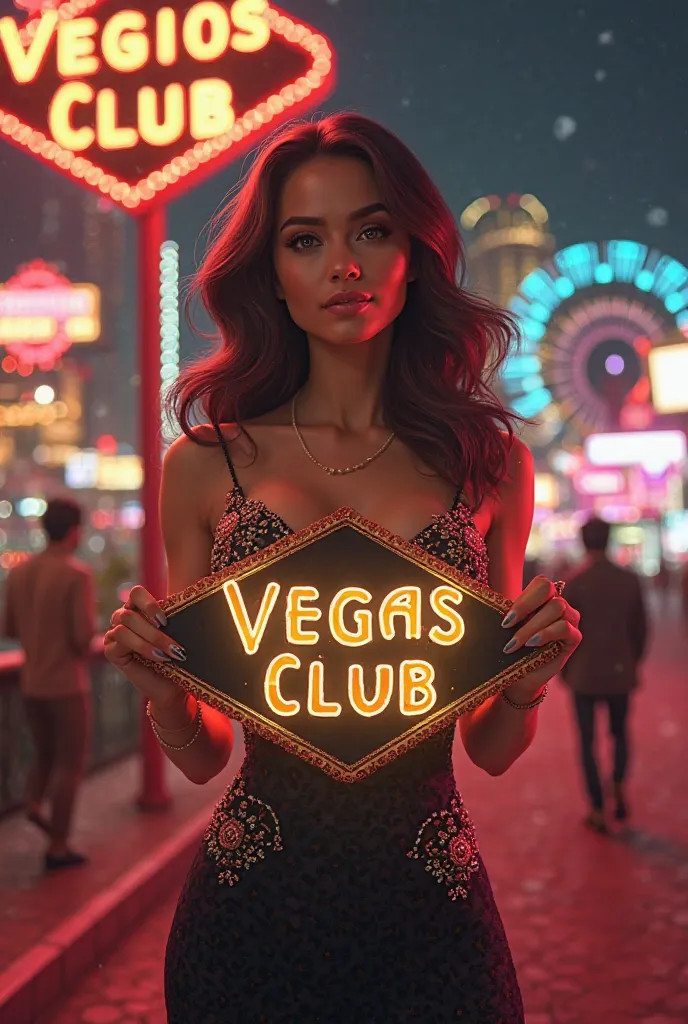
[133, 98]
[417, 694]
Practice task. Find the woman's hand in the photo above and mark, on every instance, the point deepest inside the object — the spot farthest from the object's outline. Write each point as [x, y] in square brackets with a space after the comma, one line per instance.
[545, 616]
[136, 628]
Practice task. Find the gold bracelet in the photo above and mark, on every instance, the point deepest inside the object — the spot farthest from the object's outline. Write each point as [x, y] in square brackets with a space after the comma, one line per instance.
[154, 720]
[154, 726]
[526, 707]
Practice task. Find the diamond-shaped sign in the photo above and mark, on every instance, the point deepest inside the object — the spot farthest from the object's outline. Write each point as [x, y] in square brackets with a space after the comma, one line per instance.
[140, 101]
[344, 644]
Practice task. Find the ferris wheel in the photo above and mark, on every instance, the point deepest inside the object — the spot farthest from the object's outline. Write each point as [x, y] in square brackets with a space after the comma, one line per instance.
[589, 318]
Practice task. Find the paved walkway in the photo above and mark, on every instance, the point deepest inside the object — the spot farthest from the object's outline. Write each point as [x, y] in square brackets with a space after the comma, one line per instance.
[109, 828]
[598, 926]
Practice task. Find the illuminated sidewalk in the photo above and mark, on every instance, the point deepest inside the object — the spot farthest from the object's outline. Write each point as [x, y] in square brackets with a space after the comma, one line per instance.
[598, 926]
[53, 928]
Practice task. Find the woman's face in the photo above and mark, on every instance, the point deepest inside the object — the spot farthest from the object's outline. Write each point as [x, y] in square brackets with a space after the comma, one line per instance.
[342, 264]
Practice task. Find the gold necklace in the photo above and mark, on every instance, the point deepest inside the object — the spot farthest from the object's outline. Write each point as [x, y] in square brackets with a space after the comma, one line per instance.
[329, 469]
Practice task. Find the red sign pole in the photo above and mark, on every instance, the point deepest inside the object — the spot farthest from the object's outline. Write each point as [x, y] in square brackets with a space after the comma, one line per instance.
[151, 227]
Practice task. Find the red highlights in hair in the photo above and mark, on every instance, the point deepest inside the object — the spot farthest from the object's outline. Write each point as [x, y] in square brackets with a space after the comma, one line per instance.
[447, 342]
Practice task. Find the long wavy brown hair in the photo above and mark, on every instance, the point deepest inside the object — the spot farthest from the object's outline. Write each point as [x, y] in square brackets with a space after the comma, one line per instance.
[447, 344]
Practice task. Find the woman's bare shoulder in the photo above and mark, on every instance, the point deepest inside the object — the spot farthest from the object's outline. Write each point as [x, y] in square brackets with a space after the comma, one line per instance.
[518, 480]
[188, 457]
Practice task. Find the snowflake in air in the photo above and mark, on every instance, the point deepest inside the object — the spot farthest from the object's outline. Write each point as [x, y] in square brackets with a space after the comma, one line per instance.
[600, 75]
[657, 217]
[564, 128]
[605, 38]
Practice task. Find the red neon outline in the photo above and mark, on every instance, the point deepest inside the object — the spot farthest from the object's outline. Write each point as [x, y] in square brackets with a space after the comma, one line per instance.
[209, 156]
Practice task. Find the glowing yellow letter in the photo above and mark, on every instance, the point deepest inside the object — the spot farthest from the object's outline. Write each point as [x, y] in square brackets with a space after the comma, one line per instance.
[401, 601]
[216, 18]
[124, 44]
[60, 116]
[249, 17]
[416, 692]
[210, 103]
[172, 127]
[296, 614]
[317, 705]
[75, 46]
[363, 619]
[250, 636]
[438, 599]
[273, 696]
[166, 36]
[24, 64]
[384, 683]
[110, 135]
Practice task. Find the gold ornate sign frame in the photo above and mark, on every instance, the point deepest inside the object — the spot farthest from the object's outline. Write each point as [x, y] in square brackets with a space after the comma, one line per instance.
[526, 660]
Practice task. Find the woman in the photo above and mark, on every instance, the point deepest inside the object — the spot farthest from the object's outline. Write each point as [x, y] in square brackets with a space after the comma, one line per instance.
[350, 373]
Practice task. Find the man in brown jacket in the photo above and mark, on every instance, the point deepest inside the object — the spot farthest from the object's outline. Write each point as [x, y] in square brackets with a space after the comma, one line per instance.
[50, 609]
[604, 668]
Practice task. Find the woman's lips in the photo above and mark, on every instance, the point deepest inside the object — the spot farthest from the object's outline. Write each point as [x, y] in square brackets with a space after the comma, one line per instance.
[348, 308]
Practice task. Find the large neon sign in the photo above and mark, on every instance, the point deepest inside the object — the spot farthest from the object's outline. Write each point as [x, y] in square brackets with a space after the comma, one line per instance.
[343, 643]
[135, 98]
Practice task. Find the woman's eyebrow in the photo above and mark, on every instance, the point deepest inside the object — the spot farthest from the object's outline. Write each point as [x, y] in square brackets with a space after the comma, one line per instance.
[364, 211]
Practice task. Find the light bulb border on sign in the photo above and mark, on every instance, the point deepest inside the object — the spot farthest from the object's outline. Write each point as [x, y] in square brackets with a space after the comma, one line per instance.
[140, 197]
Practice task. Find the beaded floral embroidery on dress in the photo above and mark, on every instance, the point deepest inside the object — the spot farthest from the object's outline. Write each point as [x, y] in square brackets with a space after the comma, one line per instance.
[455, 538]
[241, 829]
[446, 842]
[247, 525]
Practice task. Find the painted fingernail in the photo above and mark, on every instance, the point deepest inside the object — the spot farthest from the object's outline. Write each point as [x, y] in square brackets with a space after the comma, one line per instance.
[177, 652]
[511, 646]
[160, 655]
[508, 619]
[534, 641]
[162, 618]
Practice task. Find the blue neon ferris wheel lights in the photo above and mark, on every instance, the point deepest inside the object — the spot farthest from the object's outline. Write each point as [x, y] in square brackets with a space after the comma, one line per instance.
[604, 273]
[670, 275]
[533, 403]
[575, 268]
[577, 263]
[626, 258]
[564, 287]
[644, 281]
[676, 301]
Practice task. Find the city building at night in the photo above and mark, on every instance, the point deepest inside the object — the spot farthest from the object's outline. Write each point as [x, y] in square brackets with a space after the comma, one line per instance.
[508, 239]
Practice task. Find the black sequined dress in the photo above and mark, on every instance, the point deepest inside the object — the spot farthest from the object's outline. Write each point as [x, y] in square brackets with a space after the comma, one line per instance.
[312, 901]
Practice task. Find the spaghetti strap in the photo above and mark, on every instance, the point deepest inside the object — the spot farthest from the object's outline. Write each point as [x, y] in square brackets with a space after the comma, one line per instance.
[457, 497]
[228, 459]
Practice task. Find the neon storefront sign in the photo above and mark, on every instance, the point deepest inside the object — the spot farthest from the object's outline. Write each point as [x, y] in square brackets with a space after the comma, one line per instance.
[42, 313]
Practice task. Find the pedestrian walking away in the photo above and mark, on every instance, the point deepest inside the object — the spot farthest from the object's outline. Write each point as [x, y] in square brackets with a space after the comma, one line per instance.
[604, 668]
[50, 610]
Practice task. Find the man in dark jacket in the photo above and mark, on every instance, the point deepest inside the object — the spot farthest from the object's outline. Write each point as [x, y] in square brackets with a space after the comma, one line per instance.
[605, 665]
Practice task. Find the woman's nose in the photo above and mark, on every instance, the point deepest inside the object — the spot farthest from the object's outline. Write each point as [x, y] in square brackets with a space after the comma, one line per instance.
[346, 269]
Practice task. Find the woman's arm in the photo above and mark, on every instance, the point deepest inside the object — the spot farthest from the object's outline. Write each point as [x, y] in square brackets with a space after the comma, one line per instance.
[188, 543]
[496, 734]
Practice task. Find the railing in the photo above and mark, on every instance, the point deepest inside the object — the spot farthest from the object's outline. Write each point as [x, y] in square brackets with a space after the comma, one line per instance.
[116, 721]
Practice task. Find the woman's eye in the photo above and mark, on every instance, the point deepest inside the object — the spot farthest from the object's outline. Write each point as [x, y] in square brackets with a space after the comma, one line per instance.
[302, 242]
[375, 231]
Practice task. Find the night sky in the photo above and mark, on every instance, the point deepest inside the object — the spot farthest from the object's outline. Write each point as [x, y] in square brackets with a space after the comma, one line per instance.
[478, 89]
